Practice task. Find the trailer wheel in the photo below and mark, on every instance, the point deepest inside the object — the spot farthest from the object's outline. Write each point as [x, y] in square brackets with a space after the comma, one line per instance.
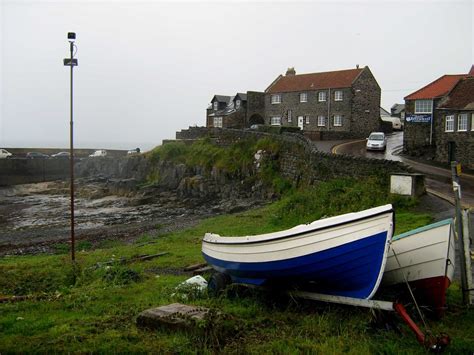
[217, 283]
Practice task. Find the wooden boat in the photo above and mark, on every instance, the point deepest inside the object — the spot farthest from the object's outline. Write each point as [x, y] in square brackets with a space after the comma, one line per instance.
[343, 255]
[424, 257]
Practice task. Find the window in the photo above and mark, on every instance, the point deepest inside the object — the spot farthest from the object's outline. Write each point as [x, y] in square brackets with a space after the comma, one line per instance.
[338, 95]
[321, 121]
[462, 122]
[276, 99]
[472, 122]
[215, 105]
[449, 126]
[303, 97]
[237, 104]
[276, 121]
[289, 116]
[423, 106]
[322, 96]
[337, 120]
[218, 122]
[306, 118]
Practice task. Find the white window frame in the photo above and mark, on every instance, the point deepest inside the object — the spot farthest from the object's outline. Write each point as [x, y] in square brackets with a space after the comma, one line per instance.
[321, 121]
[462, 117]
[449, 121]
[306, 119]
[215, 105]
[304, 97]
[338, 122]
[472, 121]
[237, 104]
[338, 96]
[322, 96]
[217, 122]
[275, 121]
[275, 99]
[423, 106]
[290, 116]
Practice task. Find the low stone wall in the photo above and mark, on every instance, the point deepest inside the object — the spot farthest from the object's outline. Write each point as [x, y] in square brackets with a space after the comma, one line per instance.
[25, 171]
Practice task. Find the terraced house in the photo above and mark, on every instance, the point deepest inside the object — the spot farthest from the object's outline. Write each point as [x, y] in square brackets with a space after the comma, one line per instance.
[439, 120]
[335, 104]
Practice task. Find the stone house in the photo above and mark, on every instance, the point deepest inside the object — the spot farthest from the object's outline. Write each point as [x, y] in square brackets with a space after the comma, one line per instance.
[335, 104]
[454, 131]
[238, 111]
[422, 115]
[330, 105]
[398, 110]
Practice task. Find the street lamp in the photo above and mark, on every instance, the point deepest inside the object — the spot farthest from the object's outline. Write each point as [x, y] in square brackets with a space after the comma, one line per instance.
[71, 62]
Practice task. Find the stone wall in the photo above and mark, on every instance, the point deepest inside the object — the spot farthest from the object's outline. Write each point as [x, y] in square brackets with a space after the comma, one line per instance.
[462, 142]
[25, 171]
[365, 105]
[255, 108]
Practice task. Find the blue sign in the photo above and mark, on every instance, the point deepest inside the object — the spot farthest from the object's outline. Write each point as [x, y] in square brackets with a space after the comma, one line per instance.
[418, 118]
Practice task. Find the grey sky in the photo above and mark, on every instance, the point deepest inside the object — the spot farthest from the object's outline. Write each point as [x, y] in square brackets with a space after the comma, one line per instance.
[148, 69]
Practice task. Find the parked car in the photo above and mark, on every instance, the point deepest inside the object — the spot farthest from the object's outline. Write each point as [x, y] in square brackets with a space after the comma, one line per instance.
[99, 153]
[36, 155]
[377, 141]
[395, 121]
[133, 151]
[60, 155]
[5, 154]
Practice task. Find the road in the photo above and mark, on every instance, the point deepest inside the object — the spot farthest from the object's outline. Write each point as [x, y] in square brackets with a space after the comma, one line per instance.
[438, 180]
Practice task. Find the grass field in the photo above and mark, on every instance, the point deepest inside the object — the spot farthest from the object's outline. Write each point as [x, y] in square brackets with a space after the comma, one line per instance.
[93, 307]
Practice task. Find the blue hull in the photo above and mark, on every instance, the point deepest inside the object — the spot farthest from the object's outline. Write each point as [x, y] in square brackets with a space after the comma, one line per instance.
[350, 270]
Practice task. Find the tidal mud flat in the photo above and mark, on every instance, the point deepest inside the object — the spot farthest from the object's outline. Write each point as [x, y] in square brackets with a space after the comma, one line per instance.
[35, 218]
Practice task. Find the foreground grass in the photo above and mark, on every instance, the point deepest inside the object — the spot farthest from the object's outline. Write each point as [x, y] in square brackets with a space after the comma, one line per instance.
[94, 307]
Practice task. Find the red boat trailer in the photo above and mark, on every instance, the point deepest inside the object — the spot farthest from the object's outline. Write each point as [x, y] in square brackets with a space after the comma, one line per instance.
[435, 344]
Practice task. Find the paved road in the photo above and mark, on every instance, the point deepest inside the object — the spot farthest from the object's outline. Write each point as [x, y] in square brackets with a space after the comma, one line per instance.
[438, 180]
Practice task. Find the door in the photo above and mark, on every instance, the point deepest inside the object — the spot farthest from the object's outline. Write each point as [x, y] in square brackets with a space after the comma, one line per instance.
[451, 151]
[301, 122]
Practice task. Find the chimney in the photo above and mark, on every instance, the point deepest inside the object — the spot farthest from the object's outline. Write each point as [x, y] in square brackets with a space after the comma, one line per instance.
[291, 72]
[357, 66]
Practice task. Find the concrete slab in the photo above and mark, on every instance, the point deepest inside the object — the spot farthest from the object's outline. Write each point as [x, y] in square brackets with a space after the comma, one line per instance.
[173, 316]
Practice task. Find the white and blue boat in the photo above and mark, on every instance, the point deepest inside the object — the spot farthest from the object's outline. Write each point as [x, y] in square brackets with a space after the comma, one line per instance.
[343, 255]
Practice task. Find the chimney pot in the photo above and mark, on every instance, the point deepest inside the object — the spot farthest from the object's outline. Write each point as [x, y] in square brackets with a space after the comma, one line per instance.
[291, 71]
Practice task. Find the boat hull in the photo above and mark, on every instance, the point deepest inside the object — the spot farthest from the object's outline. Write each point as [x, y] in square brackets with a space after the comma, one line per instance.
[425, 257]
[344, 258]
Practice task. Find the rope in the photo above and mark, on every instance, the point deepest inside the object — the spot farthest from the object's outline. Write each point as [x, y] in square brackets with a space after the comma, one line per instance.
[409, 289]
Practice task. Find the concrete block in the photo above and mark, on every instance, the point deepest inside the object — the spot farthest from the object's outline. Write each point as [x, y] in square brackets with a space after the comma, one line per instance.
[173, 316]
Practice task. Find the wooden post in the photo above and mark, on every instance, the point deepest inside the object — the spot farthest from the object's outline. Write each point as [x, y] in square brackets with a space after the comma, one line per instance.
[467, 255]
[455, 171]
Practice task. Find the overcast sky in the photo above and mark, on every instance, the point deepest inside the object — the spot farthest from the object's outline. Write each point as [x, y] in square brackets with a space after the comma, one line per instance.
[147, 69]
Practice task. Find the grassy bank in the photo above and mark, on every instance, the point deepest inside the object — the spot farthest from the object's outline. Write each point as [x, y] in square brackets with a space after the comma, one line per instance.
[93, 308]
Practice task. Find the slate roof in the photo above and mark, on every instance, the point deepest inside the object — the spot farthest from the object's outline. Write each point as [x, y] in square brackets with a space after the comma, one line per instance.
[438, 88]
[314, 81]
[398, 108]
[384, 112]
[243, 97]
[221, 98]
[462, 95]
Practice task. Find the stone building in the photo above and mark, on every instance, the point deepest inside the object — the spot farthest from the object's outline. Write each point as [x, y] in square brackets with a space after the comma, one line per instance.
[330, 105]
[454, 131]
[335, 104]
[422, 115]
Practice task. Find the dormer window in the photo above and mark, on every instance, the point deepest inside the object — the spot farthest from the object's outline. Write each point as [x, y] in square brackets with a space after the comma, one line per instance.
[276, 99]
[215, 105]
[237, 104]
[303, 97]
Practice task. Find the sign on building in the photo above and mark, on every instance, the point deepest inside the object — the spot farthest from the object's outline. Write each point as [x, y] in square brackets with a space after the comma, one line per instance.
[418, 118]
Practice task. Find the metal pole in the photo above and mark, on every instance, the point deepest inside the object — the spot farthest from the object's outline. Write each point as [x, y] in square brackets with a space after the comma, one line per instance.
[459, 230]
[71, 159]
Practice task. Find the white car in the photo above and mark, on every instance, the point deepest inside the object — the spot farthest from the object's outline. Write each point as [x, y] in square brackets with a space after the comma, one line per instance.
[376, 141]
[99, 153]
[5, 154]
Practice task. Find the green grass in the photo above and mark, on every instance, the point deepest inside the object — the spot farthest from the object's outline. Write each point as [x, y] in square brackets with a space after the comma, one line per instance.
[93, 307]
